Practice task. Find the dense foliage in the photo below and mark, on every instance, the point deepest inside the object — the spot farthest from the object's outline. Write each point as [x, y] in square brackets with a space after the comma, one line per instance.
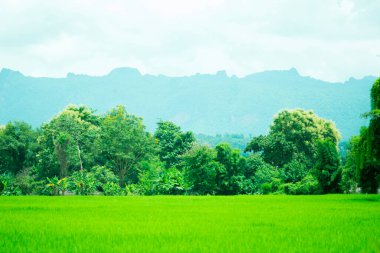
[294, 135]
[363, 164]
[80, 152]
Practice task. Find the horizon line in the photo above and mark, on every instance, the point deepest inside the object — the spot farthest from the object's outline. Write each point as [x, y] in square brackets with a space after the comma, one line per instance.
[221, 72]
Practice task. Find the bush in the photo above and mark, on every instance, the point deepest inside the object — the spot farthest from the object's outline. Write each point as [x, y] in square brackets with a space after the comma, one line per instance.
[276, 184]
[265, 174]
[132, 189]
[149, 180]
[8, 186]
[39, 188]
[266, 188]
[103, 176]
[82, 183]
[171, 181]
[308, 185]
[242, 184]
[111, 189]
[55, 186]
[25, 181]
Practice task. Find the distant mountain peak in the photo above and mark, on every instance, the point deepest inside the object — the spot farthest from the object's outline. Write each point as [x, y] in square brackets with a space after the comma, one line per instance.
[221, 73]
[293, 71]
[9, 72]
[6, 74]
[125, 71]
[74, 75]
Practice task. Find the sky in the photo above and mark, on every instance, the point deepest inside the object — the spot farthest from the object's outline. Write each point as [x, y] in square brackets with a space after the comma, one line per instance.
[331, 40]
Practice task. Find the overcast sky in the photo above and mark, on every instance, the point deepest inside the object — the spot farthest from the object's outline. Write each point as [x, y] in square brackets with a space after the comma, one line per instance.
[327, 39]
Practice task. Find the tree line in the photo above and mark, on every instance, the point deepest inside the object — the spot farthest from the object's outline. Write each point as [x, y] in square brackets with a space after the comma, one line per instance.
[80, 152]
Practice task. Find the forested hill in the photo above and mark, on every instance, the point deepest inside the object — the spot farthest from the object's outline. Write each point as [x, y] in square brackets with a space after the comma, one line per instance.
[202, 103]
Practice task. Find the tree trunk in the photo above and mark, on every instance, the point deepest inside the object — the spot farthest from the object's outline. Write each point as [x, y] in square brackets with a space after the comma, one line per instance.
[62, 158]
[79, 156]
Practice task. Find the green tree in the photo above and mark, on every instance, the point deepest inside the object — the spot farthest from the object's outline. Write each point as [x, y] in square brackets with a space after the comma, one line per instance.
[264, 176]
[124, 143]
[294, 135]
[229, 178]
[201, 169]
[369, 169]
[350, 170]
[294, 171]
[18, 144]
[172, 143]
[365, 154]
[66, 142]
[327, 168]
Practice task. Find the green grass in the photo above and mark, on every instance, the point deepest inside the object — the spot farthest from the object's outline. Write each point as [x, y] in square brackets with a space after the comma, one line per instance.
[332, 223]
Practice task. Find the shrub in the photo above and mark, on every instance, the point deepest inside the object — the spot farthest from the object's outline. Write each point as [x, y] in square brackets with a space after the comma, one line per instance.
[56, 186]
[265, 174]
[82, 183]
[103, 176]
[276, 184]
[25, 181]
[132, 189]
[112, 189]
[243, 185]
[266, 188]
[308, 185]
[171, 181]
[7, 185]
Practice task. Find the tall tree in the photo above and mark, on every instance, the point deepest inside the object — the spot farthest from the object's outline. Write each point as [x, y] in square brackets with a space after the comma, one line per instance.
[17, 147]
[234, 165]
[350, 173]
[294, 135]
[124, 143]
[67, 141]
[201, 169]
[368, 154]
[172, 143]
[327, 168]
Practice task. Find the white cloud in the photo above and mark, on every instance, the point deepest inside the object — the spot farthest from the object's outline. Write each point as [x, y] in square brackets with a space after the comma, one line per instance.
[331, 40]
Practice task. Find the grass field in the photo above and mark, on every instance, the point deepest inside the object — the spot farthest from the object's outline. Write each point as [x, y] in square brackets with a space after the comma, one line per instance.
[332, 223]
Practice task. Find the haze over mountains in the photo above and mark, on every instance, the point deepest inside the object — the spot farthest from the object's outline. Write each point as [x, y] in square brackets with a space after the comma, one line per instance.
[202, 103]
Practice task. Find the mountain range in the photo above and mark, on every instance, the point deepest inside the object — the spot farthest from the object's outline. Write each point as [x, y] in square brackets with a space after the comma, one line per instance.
[203, 103]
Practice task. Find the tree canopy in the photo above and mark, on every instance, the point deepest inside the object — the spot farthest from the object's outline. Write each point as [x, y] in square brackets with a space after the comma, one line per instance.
[172, 142]
[294, 134]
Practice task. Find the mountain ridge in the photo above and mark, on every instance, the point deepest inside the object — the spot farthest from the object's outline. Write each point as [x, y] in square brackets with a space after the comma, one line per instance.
[204, 103]
[221, 72]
